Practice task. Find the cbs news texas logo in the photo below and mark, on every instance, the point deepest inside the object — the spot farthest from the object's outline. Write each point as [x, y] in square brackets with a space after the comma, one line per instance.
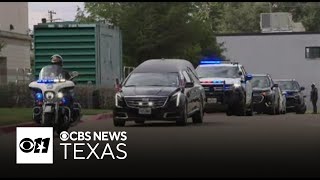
[34, 145]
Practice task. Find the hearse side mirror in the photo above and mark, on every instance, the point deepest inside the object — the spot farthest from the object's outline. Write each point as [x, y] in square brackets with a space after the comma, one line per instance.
[189, 84]
[302, 88]
[275, 86]
[240, 73]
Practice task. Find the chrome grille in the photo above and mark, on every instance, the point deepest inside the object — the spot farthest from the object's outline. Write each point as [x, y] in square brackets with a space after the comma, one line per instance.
[138, 102]
[257, 98]
[217, 87]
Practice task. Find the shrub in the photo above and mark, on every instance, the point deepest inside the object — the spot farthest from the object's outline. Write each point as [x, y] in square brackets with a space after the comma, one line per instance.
[19, 95]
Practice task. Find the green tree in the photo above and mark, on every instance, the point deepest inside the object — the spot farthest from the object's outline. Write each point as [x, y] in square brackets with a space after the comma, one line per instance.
[155, 29]
[241, 17]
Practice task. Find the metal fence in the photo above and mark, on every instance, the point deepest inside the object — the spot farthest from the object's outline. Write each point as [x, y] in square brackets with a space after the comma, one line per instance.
[89, 96]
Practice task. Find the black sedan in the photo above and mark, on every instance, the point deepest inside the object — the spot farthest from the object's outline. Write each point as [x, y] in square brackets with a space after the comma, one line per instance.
[160, 90]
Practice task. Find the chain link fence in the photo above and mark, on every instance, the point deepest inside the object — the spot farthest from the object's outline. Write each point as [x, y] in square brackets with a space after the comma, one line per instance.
[89, 96]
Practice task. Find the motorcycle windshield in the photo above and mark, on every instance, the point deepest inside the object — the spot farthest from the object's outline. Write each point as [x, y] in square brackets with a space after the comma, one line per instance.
[51, 72]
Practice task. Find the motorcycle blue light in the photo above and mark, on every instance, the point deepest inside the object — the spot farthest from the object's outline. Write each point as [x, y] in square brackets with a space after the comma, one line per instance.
[46, 81]
[64, 101]
[39, 96]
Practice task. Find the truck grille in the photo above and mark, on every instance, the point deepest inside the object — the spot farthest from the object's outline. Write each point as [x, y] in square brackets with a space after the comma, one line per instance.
[137, 102]
[217, 87]
[257, 98]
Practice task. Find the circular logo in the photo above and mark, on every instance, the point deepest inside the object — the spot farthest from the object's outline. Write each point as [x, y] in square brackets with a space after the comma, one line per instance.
[26, 145]
[64, 136]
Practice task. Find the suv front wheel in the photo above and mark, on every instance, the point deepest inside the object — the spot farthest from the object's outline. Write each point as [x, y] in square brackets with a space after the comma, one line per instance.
[182, 121]
[198, 117]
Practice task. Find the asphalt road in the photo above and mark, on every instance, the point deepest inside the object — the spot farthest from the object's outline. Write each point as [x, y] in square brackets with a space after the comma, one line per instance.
[257, 146]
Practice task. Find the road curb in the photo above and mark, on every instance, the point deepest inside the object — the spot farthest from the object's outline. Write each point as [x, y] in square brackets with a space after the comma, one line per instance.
[103, 116]
[11, 128]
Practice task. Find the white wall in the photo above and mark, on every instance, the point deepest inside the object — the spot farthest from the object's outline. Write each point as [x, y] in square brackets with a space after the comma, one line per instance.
[17, 52]
[282, 56]
[15, 13]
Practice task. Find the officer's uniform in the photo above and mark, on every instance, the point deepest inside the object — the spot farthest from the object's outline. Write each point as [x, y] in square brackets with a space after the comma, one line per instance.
[314, 98]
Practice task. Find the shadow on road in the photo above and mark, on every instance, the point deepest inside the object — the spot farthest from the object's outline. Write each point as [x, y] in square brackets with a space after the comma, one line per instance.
[190, 124]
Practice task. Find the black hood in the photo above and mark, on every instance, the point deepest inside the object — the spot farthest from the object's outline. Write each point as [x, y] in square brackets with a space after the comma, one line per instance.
[260, 90]
[291, 91]
[149, 91]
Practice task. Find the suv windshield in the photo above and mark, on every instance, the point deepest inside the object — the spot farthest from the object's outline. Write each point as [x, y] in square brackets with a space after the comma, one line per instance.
[218, 71]
[51, 72]
[260, 82]
[153, 79]
[289, 85]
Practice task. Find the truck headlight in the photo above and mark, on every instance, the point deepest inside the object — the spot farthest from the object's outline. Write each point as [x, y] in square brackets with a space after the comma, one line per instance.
[49, 95]
[60, 95]
[266, 93]
[236, 85]
[118, 100]
[176, 96]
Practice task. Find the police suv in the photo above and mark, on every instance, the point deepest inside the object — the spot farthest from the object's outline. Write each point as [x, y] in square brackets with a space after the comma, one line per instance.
[226, 83]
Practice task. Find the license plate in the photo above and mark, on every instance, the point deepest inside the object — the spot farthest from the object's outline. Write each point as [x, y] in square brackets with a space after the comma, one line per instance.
[218, 88]
[144, 110]
[212, 100]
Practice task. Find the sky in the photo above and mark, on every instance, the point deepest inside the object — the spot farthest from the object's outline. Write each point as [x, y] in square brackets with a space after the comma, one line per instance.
[64, 10]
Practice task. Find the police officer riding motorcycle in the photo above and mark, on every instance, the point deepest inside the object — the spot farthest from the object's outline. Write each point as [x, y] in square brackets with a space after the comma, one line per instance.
[54, 98]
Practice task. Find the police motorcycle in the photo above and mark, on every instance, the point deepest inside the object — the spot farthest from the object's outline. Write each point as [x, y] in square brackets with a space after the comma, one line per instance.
[53, 105]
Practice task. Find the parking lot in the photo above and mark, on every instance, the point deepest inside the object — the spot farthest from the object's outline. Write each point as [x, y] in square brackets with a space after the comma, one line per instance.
[261, 145]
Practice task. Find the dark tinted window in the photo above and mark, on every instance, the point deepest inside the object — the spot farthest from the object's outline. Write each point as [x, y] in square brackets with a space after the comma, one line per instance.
[153, 79]
[312, 52]
[260, 82]
[186, 76]
[218, 71]
[288, 85]
[193, 76]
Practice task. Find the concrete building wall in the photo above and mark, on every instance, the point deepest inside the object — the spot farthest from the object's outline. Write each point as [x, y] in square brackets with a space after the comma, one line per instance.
[17, 53]
[15, 13]
[281, 55]
[17, 50]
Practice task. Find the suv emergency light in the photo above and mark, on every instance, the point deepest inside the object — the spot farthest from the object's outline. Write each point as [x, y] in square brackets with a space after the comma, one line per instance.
[211, 60]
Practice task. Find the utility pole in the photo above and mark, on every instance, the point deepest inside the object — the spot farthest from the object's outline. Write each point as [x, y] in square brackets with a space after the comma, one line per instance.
[50, 15]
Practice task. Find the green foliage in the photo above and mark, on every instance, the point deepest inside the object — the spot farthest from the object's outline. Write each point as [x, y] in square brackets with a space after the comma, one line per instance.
[156, 29]
[187, 29]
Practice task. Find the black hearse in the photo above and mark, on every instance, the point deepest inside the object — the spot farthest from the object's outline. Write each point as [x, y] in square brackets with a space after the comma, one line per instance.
[160, 89]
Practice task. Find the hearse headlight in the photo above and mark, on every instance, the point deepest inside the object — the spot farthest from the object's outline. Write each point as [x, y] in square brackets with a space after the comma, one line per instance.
[119, 100]
[176, 98]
